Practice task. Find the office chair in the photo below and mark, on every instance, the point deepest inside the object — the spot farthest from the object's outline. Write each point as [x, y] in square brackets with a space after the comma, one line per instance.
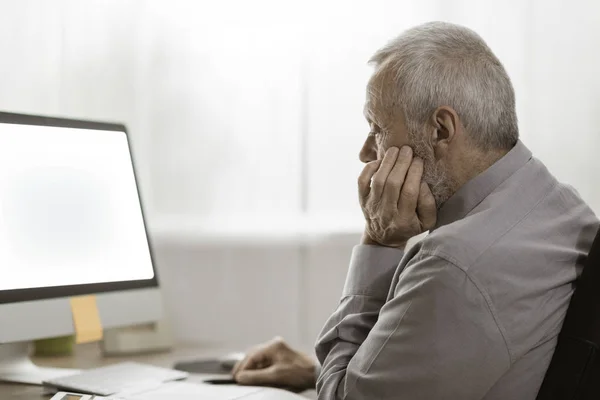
[574, 372]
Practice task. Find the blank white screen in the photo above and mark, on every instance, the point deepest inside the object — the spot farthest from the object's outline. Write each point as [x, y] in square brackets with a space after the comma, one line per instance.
[69, 209]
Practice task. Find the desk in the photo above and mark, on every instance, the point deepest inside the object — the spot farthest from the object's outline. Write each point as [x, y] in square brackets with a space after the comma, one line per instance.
[90, 356]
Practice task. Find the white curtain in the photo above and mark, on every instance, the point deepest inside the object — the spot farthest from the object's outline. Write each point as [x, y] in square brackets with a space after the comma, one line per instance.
[247, 115]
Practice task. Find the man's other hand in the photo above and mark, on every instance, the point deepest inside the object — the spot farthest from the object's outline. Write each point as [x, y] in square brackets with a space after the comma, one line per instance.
[396, 204]
[276, 364]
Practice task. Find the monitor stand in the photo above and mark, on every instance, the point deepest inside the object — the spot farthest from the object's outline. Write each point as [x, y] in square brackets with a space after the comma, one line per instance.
[15, 366]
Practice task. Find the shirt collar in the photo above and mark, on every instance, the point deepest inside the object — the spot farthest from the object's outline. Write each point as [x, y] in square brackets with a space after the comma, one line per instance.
[477, 189]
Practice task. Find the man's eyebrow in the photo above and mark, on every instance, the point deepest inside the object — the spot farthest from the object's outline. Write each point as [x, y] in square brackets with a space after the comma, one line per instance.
[367, 114]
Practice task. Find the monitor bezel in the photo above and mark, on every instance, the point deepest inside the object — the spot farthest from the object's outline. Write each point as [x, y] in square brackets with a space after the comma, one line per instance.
[42, 293]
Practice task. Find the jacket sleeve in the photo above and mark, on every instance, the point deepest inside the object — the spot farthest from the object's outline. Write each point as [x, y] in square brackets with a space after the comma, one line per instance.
[435, 338]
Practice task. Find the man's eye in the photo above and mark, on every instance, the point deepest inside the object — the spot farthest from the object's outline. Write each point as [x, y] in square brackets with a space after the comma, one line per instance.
[375, 129]
[375, 132]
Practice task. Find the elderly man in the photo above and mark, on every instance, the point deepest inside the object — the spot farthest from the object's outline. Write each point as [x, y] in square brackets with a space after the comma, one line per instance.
[474, 309]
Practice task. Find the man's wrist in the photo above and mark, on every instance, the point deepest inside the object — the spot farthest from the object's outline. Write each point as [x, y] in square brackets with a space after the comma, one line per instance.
[371, 270]
[367, 240]
[317, 372]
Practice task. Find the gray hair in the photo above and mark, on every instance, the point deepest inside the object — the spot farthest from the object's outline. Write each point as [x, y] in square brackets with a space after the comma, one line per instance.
[442, 64]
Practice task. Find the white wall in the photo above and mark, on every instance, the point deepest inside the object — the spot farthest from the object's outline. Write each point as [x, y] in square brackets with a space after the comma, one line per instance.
[246, 121]
[77, 59]
[565, 92]
[247, 108]
[253, 292]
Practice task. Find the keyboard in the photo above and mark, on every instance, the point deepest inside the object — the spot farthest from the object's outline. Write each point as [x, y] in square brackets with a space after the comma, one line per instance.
[114, 379]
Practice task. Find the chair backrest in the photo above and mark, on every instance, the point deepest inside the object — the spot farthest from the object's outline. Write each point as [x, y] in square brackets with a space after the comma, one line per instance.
[574, 372]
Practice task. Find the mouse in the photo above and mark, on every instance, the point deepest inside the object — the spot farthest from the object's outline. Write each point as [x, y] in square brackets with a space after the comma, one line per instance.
[228, 361]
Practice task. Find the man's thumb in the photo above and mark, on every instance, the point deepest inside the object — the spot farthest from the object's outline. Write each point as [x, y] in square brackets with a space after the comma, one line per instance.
[265, 376]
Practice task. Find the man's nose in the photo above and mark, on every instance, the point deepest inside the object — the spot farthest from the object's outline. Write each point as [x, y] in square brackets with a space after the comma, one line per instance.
[368, 152]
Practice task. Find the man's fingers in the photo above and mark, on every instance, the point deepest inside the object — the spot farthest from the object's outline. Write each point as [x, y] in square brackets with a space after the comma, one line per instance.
[260, 356]
[242, 365]
[254, 359]
[380, 177]
[364, 180]
[237, 366]
[397, 176]
[426, 207]
[259, 377]
[409, 196]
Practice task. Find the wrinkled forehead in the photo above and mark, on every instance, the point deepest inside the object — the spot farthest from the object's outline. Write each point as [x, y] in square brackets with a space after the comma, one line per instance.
[378, 92]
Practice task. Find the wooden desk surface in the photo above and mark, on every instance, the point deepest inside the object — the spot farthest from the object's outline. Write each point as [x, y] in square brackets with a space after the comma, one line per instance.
[89, 356]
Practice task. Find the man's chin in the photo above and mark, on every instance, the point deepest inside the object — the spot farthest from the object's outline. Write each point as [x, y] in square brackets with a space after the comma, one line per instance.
[441, 193]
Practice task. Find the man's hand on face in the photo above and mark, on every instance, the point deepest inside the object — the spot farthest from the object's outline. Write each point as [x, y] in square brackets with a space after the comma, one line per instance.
[276, 364]
[396, 204]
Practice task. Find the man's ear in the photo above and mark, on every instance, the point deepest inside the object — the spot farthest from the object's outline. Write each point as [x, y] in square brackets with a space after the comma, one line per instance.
[446, 125]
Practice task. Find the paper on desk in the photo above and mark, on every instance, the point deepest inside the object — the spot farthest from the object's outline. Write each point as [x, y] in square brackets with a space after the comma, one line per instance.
[86, 319]
[188, 390]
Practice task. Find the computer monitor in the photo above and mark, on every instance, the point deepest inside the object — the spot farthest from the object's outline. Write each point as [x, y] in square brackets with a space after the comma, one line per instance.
[71, 223]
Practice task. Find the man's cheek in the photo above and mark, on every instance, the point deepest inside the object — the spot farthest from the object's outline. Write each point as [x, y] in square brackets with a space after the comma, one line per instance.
[382, 147]
[384, 142]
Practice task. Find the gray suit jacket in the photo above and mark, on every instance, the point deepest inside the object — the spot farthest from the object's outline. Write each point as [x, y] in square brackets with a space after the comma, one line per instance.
[472, 311]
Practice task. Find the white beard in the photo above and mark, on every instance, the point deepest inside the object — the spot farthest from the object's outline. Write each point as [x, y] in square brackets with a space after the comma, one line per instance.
[435, 173]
